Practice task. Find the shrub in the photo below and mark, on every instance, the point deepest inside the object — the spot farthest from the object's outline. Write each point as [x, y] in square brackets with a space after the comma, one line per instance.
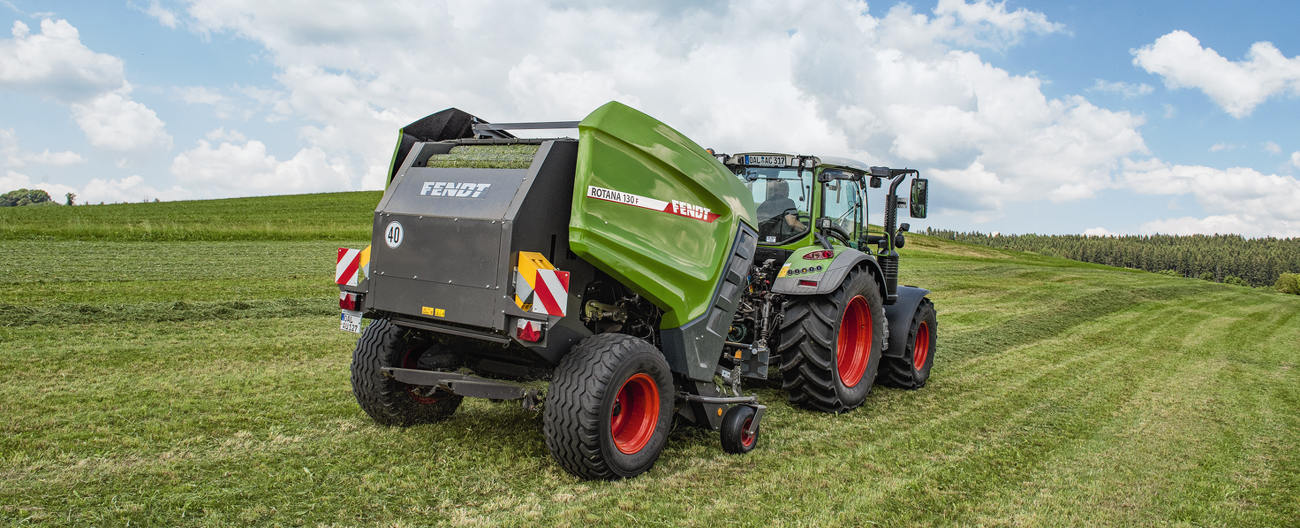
[1288, 283]
[1235, 281]
[22, 197]
[1209, 276]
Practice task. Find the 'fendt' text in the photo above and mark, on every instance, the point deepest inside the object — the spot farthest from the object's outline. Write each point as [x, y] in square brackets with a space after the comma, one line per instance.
[454, 189]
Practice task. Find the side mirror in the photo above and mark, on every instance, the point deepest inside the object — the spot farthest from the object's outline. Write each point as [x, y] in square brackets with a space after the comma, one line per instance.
[920, 196]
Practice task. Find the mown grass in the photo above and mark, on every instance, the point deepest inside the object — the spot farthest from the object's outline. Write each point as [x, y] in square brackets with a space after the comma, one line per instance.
[1063, 394]
[326, 216]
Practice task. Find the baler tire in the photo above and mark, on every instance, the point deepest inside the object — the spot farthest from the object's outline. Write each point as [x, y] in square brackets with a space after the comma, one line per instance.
[583, 430]
[911, 372]
[734, 439]
[815, 372]
[386, 400]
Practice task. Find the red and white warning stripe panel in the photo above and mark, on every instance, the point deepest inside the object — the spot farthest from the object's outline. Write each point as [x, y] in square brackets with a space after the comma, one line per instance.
[539, 287]
[676, 207]
[352, 266]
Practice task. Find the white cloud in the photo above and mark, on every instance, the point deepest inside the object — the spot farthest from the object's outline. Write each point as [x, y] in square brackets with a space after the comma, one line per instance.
[1219, 147]
[13, 180]
[55, 64]
[1236, 86]
[1120, 87]
[16, 157]
[128, 189]
[1171, 111]
[1099, 232]
[1272, 148]
[1245, 225]
[222, 106]
[115, 123]
[1268, 204]
[165, 16]
[809, 76]
[235, 169]
[1295, 159]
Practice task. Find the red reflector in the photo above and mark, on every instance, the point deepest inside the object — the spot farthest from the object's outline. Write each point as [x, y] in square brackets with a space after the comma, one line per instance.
[349, 301]
[819, 255]
[530, 331]
[807, 283]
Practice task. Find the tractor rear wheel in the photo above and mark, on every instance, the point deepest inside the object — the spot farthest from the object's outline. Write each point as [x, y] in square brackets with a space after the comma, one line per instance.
[913, 369]
[388, 401]
[609, 407]
[831, 344]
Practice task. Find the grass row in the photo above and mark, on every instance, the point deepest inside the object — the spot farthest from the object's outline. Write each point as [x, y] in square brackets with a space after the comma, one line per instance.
[326, 216]
[1062, 394]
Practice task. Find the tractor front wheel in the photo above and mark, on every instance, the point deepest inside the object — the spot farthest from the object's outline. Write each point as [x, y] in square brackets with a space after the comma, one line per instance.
[609, 407]
[913, 369]
[388, 401]
[831, 344]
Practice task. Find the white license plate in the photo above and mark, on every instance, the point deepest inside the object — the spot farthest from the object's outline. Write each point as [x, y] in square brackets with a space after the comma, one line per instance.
[351, 321]
[765, 161]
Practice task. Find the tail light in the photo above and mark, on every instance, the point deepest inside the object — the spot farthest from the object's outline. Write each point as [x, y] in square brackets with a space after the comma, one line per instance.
[808, 283]
[820, 255]
[350, 301]
[530, 331]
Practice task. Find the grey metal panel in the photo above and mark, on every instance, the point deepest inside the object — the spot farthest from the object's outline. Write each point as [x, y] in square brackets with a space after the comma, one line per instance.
[461, 304]
[422, 191]
[899, 316]
[458, 251]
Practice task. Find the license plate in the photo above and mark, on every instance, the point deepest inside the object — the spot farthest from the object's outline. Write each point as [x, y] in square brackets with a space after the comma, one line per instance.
[765, 161]
[350, 321]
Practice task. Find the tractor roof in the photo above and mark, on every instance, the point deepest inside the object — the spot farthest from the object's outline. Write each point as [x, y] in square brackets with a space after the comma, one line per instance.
[779, 159]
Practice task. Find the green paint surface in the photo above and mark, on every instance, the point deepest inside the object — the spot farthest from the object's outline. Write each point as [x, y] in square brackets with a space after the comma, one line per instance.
[673, 260]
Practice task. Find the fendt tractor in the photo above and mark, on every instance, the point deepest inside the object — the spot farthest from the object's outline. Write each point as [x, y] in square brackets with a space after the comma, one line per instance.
[643, 276]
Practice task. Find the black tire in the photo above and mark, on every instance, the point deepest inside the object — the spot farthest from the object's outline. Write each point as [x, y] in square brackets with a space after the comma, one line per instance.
[815, 373]
[609, 408]
[734, 439]
[912, 370]
[388, 401]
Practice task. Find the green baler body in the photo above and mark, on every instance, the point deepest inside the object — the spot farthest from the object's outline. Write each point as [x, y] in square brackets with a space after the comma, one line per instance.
[669, 256]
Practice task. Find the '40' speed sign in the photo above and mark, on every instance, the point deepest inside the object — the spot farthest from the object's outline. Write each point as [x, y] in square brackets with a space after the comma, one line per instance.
[393, 234]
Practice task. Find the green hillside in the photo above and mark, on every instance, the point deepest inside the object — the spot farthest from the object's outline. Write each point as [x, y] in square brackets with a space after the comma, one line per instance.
[326, 216]
[197, 383]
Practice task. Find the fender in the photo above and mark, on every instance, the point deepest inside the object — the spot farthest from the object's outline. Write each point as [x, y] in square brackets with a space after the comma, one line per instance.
[826, 276]
[899, 316]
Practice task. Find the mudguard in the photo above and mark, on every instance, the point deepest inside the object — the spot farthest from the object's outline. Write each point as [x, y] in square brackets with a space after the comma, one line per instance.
[899, 316]
[798, 272]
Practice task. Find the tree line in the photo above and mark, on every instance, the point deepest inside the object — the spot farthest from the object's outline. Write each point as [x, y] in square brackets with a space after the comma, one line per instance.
[1221, 258]
[24, 197]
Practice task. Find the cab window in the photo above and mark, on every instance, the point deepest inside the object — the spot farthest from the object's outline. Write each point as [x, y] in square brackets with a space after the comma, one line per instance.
[784, 198]
[842, 203]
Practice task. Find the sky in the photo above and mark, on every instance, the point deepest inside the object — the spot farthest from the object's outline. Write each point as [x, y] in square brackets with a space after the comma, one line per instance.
[1026, 116]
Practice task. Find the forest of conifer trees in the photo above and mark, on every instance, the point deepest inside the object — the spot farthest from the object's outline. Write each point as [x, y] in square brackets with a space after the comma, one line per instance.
[1256, 261]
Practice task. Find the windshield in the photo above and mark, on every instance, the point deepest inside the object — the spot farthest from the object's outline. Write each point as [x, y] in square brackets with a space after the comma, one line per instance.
[784, 197]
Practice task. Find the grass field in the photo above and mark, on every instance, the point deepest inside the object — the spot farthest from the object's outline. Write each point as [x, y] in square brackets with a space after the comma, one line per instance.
[187, 383]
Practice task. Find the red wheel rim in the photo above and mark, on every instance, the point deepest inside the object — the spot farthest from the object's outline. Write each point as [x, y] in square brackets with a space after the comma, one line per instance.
[921, 349]
[412, 361]
[854, 346]
[635, 414]
[747, 439]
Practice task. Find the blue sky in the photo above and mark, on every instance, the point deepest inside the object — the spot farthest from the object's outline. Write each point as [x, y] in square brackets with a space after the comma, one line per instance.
[1047, 117]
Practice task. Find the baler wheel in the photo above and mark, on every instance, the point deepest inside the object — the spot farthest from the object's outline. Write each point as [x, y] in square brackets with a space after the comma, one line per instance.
[609, 407]
[388, 401]
[831, 345]
[913, 369]
[734, 423]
